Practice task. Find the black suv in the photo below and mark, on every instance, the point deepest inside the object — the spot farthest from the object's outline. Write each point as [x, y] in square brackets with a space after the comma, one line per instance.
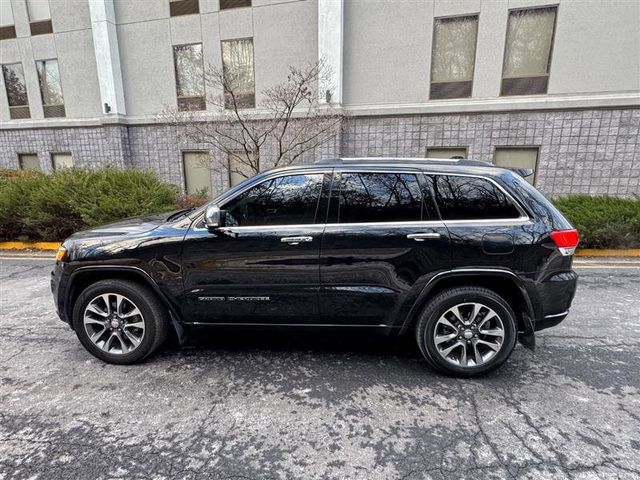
[466, 256]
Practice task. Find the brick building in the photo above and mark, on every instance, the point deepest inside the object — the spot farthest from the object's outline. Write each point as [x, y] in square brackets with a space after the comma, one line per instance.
[550, 85]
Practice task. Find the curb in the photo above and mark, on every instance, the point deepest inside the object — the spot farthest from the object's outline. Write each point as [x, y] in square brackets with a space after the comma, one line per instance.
[586, 252]
[29, 245]
[608, 252]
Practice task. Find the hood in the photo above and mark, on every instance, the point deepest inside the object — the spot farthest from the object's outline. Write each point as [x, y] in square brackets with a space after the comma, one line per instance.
[136, 225]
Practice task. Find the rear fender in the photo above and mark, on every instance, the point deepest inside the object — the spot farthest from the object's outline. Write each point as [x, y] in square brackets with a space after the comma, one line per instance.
[477, 276]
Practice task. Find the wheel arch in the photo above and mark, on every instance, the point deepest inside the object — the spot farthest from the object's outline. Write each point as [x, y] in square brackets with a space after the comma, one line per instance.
[503, 282]
[86, 276]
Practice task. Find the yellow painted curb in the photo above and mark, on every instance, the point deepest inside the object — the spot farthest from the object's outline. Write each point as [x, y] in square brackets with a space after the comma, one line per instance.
[608, 252]
[585, 252]
[29, 245]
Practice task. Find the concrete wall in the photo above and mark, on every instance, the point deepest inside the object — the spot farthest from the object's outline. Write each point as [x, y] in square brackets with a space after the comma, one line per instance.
[597, 47]
[71, 44]
[387, 48]
[284, 33]
[386, 58]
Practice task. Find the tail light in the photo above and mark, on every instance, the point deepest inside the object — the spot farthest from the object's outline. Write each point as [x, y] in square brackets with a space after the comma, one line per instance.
[566, 240]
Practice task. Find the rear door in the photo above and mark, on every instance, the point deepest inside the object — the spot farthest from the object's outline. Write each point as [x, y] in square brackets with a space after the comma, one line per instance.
[486, 225]
[382, 236]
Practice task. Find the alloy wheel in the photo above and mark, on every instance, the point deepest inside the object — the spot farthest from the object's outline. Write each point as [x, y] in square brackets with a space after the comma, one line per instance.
[114, 323]
[469, 334]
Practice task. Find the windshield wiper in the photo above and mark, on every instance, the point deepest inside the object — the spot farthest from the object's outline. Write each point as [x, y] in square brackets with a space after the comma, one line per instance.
[180, 213]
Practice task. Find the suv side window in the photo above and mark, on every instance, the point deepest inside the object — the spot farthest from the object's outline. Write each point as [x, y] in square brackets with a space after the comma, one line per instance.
[379, 197]
[471, 198]
[287, 200]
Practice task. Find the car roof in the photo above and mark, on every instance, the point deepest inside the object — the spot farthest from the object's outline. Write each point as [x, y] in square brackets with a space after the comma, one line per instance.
[435, 165]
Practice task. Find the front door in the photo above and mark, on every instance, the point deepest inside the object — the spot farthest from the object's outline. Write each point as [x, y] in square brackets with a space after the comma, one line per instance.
[262, 266]
[382, 239]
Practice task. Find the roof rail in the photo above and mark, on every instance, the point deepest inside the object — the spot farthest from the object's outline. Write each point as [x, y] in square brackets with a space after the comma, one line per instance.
[454, 161]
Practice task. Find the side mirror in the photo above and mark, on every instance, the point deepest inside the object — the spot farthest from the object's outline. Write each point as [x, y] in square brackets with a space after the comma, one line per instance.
[214, 218]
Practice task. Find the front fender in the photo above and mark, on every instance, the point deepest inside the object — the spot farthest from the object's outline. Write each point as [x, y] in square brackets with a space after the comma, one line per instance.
[123, 271]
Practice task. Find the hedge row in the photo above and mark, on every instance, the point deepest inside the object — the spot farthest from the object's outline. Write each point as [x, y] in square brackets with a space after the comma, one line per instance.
[35, 206]
[603, 222]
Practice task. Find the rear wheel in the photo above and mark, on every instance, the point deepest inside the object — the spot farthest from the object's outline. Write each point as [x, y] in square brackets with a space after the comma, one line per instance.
[119, 321]
[467, 331]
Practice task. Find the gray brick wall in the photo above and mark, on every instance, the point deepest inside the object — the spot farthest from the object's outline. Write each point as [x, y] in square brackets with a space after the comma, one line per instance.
[590, 151]
[91, 147]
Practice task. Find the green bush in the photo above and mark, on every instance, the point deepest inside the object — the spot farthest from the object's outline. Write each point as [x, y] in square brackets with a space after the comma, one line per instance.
[36, 206]
[603, 222]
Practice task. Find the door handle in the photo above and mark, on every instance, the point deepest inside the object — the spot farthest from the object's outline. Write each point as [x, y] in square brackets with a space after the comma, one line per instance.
[421, 237]
[295, 240]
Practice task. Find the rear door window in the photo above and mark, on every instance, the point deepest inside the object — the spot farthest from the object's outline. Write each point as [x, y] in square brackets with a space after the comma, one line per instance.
[377, 197]
[471, 198]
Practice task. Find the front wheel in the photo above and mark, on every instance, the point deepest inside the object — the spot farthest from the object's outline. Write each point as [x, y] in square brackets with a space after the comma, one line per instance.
[119, 321]
[467, 331]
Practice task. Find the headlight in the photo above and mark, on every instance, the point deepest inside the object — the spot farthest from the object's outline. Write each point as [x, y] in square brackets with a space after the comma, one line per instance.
[60, 254]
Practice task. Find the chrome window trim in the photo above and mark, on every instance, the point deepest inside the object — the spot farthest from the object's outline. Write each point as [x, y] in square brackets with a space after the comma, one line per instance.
[303, 170]
[224, 199]
[426, 223]
[267, 177]
[416, 224]
[523, 215]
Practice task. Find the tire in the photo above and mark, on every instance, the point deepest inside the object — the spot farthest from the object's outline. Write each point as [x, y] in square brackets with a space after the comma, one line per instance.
[136, 336]
[457, 355]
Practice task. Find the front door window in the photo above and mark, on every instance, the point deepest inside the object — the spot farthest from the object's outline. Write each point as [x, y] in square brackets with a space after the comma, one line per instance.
[288, 200]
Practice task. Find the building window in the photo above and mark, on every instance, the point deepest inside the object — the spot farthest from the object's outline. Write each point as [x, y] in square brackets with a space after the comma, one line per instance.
[29, 161]
[239, 78]
[189, 70]
[50, 88]
[453, 57]
[447, 152]
[517, 158]
[183, 7]
[16, 91]
[241, 166]
[527, 55]
[7, 28]
[60, 161]
[39, 17]
[197, 173]
[227, 4]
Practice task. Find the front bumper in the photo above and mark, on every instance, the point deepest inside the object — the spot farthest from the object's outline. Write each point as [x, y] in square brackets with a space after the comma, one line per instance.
[58, 282]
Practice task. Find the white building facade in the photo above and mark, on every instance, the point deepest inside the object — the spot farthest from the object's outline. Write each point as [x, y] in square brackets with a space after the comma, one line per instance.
[552, 86]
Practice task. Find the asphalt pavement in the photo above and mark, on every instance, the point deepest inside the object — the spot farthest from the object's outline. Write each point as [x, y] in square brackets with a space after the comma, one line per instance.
[283, 404]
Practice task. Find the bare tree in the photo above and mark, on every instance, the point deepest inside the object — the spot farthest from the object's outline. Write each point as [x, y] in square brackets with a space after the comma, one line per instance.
[288, 122]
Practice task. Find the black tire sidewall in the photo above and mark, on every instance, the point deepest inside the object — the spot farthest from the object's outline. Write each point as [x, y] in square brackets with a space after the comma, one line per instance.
[138, 295]
[447, 299]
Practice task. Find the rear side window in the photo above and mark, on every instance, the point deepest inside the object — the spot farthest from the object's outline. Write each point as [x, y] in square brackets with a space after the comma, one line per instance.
[471, 198]
[378, 197]
[289, 200]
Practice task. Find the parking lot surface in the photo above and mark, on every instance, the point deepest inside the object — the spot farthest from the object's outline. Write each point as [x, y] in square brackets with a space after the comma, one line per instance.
[285, 404]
